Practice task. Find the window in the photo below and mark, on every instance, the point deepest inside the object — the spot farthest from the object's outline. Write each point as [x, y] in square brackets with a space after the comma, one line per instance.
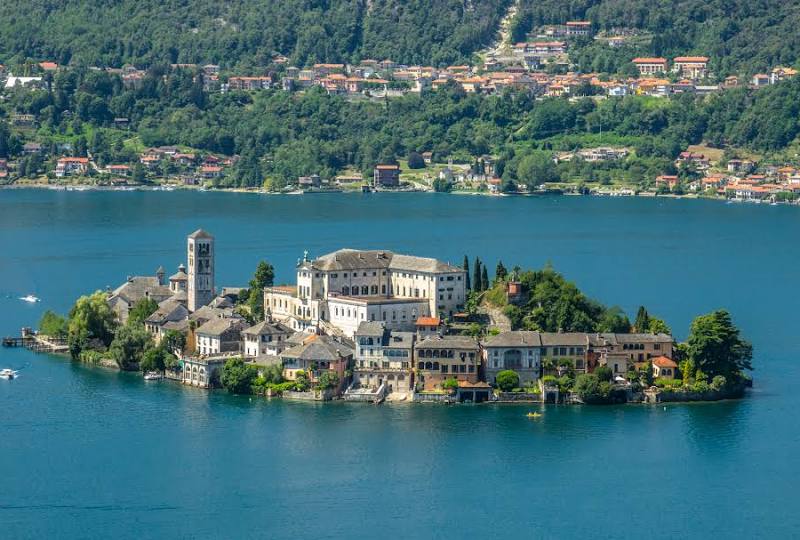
[657, 346]
[445, 368]
[383, 289]
[385, 365]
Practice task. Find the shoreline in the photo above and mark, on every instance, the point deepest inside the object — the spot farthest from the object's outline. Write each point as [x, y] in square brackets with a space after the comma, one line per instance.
[253, 191]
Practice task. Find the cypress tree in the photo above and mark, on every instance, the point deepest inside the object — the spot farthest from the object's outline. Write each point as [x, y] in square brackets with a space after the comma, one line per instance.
[476, 276]
[484, 279]
[468, 285]
[500, 272]
[642, 322]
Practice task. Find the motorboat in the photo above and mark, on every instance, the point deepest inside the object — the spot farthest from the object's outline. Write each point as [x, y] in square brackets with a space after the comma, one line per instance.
[153, 376]
[30, 298]
[7, 374]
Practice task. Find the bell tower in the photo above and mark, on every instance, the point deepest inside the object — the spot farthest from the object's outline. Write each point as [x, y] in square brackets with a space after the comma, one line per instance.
[200, 290]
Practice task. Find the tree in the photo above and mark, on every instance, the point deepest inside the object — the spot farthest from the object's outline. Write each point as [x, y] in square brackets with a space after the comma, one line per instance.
[468, 284]
[263, 277]
[238, 377]
[484, 279]
[500, 272]
[91, 324]
[716, 347]
[603, 373]
[129, 345]
[587, 386]
[642, 322]
[328, 380]
[507, 380]
[301, 381]
[476, 276]
[141, 310]
[450, 384]
[173, 341]
[52, 324]
[415, 161]
[154, 359]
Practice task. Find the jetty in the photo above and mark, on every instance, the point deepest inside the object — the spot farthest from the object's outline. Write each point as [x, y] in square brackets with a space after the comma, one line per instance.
[37, 343]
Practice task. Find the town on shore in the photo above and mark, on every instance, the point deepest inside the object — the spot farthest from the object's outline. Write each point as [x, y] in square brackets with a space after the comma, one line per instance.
[540, 67]
[374, 326]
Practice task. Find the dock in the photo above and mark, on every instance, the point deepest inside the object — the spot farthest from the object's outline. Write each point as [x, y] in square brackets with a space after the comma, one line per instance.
[37, 343]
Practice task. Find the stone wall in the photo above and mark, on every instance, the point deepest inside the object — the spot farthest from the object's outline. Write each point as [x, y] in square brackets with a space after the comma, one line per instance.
[518, 396]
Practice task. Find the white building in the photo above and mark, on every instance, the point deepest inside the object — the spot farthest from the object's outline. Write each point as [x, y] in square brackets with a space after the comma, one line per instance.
[267, 338]
[383, 358]
[372, 285]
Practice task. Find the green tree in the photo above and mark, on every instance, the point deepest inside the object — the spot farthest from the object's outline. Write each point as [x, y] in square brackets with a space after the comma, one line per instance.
[484, 279]
[476, 277]
[716, 347]
[128, 346]
[52, 324]
[173, 341]
[301, 381]
[154, 359]
[264, 277]
[238, 377]
[500, 272]
[465, 266]
[328, 380]
[588, 388]
[91, 324]
[450, 384]
[642, 321]
[415, 161]
[604, 374]
[141, 310]
[507, 380]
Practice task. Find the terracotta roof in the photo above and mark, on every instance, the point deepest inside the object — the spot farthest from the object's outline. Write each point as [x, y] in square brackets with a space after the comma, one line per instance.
[649, 60]
[428, 321]
[664, 362]
[691, 59]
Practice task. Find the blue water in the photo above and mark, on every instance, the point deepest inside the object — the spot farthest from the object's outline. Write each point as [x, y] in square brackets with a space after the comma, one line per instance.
[88, 453]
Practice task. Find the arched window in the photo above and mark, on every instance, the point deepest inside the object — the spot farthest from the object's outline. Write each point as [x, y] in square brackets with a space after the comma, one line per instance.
[436, 366]
[420, 365]
[364, 290]
[345, 290]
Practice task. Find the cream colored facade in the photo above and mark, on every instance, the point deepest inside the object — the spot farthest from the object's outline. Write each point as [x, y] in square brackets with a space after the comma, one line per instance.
[376, 283]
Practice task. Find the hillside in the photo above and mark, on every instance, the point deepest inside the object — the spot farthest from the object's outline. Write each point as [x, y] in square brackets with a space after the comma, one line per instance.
[740, 36]
[245, 33]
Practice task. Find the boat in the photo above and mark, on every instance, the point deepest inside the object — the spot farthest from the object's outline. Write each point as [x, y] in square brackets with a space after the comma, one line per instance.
[7, 374]
[534, 415]
[30, 298]
[153, 376]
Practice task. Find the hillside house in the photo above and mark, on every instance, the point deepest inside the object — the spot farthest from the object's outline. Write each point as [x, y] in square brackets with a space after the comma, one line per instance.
[71, 166]
[650, 66]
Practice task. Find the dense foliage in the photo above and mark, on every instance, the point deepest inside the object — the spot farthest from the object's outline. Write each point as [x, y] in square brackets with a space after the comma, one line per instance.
[246, 33]
[715, 347]
[738, 35]
[91, 324]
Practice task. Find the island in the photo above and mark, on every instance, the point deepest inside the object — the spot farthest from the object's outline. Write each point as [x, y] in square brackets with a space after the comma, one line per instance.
[375, 326]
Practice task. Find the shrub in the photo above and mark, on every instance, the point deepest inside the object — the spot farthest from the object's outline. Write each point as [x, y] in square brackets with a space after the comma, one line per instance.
[507, 380]
[718, 382]
[700, 386]
[450, 384]
[238, 377]
[587, 386]
[604, 373]
[415, 161]
[549, 380]
[328, 380]
[90, 357]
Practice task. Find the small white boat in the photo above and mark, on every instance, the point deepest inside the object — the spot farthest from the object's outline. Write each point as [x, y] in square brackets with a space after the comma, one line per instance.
[30, 298]
[153, 376]
[7, 374]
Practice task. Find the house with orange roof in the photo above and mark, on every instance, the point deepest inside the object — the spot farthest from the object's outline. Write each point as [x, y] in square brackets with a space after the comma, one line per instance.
[664, 368]
[48, 66]
[668, 180]
[71, 166]
[650, 66]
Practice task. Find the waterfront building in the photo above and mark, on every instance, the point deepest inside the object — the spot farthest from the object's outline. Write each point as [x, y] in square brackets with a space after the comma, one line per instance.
[564, 350]
[664, 367]
[267, 338]
[621, 352]
[386, 176]
[439, 358]
[373, 285]
[203, 372]
[383, 358]
[516, 350]
[219, 335]
[200, 289]
[315, 355]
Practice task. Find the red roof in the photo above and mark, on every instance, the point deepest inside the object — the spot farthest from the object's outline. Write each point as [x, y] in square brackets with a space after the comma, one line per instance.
[664, 362]
[649, 60]
[387, 167]
[691, 59]
[74, 160]
[428, 321]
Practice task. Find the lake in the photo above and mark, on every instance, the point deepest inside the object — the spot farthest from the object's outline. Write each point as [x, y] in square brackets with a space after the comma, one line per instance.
[90, 453]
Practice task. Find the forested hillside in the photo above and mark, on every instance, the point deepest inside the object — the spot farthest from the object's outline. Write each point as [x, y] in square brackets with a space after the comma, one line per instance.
[740, 36]
[245, 33]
